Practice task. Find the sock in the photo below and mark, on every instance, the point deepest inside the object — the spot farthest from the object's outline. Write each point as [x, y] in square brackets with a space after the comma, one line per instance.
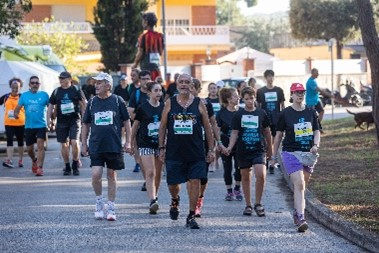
[237, 187]
[230, 190]
[201, 196]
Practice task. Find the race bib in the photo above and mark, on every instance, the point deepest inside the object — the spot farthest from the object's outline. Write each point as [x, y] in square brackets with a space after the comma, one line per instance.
[11, 114]
[249, 121]
[67, 108]
[216, 107]
[271, 97]
[303, 129]
[153, 128]
[154, 58]
[183, 127]
[104, 118]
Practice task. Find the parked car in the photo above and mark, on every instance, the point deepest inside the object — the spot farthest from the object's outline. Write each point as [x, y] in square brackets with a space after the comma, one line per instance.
[232, 82]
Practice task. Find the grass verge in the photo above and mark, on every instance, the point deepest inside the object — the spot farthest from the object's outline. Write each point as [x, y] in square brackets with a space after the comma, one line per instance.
[346, 177]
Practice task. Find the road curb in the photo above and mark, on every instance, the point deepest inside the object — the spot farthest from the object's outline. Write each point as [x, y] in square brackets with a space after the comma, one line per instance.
[336, 222]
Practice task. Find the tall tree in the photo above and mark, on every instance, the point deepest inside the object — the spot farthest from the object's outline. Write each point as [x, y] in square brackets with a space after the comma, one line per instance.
[11, 12]
[228, 13]
[323, 19]
[371, 43]
[117, 26]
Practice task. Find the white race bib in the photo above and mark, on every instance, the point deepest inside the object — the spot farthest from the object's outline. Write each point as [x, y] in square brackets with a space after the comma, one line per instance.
[67, 108]
[104, 118]
[183, 127]
[153, 128]
[11, 114]
[154, 58]
[303, 129]
[216, 107]
[249, 121]
[271, 97]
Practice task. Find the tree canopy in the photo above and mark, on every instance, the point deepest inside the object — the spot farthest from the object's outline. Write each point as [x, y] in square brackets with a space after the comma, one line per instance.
[323, 19]
[11, 12]
[117, 27]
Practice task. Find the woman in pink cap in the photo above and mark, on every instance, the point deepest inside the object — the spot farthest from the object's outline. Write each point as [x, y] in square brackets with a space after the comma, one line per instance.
[299, 148]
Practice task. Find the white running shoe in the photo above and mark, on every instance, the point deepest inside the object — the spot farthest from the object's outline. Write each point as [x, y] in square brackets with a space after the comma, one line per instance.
[110, 211]
[99, 213]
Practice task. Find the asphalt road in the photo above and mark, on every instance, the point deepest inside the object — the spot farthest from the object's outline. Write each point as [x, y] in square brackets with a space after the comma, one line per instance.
[54, 213]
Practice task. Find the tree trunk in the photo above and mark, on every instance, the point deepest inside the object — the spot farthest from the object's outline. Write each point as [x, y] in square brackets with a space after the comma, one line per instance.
[371, 43]
[339, 46]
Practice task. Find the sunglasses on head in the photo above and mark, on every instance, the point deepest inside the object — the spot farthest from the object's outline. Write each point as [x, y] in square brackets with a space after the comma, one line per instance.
[34, 83]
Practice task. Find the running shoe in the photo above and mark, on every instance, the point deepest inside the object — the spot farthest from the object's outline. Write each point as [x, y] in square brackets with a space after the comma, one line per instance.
[8, 164]
[143, 188]
[259, 210]
[39, 172]
[99, 212]
[20, 163]
[34, 166]
[191, 223]
[67, 170]
[302, 225]
[238, 195]
[154, 207]
[137, 168]
[199, 206]
[174, 209]
[295, 218]
[75, 166]
[111, 214]
[248, 211]
[271, 169]
[229, 196]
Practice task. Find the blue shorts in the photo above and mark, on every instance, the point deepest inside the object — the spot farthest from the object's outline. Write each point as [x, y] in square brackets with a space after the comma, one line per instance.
[258, 158]
[179, 172]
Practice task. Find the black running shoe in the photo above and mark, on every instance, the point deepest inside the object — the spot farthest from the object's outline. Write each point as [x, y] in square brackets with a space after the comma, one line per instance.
[191, 223]
[174, 209]
[75, 170]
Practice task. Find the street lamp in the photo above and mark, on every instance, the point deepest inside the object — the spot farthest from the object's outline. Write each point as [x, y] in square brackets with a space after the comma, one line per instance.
[330, 44]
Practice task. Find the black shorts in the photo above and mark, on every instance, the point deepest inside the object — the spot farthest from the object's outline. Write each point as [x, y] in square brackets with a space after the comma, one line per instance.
[114, 161]
[68, 131]
[12, 131]
[258, 158]
[32, 134]
[179, 172]
[318, 107]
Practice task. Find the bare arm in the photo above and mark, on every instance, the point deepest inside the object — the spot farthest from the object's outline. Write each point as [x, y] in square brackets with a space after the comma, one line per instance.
[136, 124]
[233, 139]
[208, 132]
[162, 131]
[17, 111]
[268, 138]
[316, 141]
[277, 140]
[138, 57]
[85, 132]
[128, 129]
[49, 114]
[131, 112]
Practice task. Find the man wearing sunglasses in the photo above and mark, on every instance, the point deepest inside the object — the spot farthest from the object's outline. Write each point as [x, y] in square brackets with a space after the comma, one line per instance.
[35, 103]
[69, 104]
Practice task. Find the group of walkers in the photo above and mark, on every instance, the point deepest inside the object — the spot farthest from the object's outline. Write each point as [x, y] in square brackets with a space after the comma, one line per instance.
[174, 128]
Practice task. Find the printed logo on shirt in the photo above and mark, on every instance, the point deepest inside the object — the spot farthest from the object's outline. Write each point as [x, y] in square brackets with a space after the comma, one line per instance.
[249, 121]
[303, 129]
[216, 107]
[271, 97]
[153, 128]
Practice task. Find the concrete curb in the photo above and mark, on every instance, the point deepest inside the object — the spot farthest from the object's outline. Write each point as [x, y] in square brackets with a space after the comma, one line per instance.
[335, 222]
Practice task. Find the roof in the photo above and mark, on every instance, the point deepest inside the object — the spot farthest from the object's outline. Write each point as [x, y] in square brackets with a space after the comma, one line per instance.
[245, 53]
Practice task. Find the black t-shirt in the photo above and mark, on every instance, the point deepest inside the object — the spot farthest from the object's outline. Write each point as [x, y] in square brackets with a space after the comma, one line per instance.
[298, 127]
[106, 117]
[250, 127]
[67, 101]
[224, 121]
[172, 90]
[149, 118]
[89, 90]
[215, 104]
[122, 92]
[270, 99]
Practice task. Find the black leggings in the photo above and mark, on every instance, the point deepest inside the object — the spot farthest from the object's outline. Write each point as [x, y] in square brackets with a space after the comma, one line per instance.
[12, 131]
[227, 161]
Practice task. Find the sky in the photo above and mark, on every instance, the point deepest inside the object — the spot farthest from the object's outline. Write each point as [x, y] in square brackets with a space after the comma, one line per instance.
[265, 6]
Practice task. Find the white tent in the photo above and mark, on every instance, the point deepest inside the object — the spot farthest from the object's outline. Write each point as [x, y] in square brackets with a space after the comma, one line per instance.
[262, 60]
[24, 70]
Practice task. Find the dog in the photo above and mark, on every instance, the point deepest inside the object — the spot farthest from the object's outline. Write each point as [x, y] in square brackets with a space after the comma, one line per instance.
[362, 117]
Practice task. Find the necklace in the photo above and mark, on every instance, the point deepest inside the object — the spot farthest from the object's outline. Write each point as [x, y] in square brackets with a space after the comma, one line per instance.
[187, 104]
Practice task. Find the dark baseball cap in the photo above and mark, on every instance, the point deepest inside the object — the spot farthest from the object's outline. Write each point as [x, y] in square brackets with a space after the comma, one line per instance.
[65, 75]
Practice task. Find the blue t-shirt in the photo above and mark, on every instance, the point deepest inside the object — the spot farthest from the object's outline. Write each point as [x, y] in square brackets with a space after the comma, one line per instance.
[311, 96]
[35, 108]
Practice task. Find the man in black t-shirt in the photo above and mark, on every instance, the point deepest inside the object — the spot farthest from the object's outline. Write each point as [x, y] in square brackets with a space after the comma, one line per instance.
[69, 103]
[172, 89]
[122, 89]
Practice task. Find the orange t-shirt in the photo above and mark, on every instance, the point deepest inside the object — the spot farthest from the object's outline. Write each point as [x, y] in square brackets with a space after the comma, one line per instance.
[10, 104]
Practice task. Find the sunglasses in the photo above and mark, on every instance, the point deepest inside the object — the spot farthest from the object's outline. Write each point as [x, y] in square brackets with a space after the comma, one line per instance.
[34, 83]
[299, 92]
[185, 81]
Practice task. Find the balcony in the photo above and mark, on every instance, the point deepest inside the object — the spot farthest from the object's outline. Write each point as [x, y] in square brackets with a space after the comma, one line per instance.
[175, 35]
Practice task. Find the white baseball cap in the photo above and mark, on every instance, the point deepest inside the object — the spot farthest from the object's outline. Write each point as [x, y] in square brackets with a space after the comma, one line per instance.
[220, 84]
[104, 76]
